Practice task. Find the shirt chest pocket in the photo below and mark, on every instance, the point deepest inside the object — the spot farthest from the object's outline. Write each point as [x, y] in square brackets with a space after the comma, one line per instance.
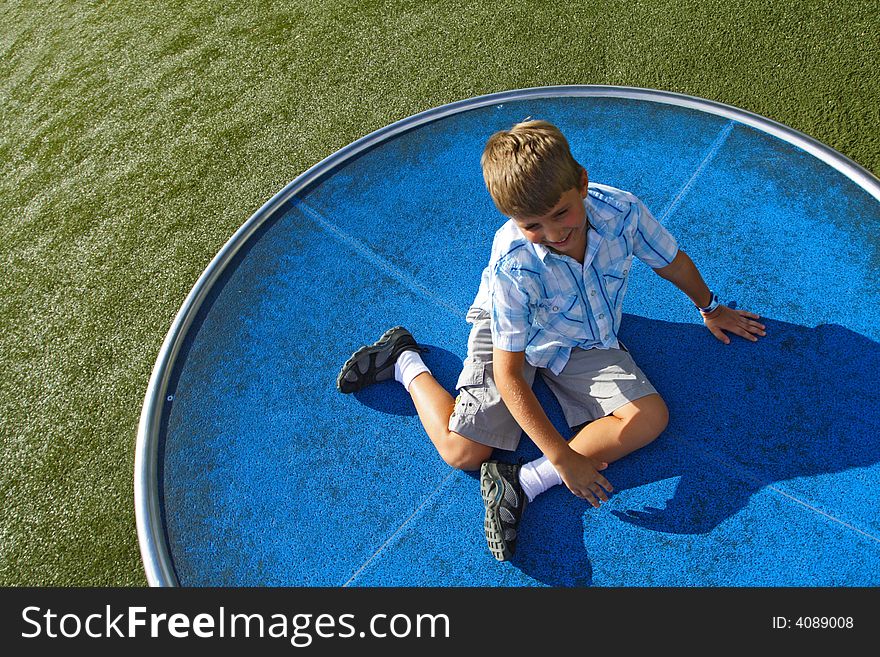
[614, 279]
[563, 315]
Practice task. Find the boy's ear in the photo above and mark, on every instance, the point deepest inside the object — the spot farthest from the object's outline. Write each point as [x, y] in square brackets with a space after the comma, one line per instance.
[585, 181]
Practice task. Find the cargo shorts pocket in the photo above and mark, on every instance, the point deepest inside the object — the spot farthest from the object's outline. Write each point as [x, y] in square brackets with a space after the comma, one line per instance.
[471, 389]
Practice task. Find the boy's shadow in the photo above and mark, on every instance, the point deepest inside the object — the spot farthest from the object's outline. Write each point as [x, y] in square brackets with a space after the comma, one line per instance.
[800, 402]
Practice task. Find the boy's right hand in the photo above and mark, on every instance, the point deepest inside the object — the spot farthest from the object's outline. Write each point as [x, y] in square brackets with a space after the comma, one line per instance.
[581, 475]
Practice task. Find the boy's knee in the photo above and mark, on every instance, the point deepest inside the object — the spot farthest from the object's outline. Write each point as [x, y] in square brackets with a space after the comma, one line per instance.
[462, 461]
[464, 456]
[650, 414]
[656, 416]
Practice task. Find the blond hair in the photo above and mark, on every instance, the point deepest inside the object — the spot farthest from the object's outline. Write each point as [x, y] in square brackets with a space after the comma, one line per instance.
[528, 168]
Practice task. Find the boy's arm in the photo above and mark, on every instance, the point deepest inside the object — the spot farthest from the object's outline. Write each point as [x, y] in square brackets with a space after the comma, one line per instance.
[683, 273]
[578, 472]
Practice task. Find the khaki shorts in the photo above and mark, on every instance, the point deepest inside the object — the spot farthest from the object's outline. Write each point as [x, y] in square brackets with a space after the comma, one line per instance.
[593, 384]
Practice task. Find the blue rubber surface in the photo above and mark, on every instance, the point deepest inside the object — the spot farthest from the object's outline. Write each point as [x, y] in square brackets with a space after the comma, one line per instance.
[766, 476]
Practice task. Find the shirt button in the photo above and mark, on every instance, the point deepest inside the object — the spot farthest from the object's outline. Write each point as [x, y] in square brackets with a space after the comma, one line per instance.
[592, 293]
[601, 315]
[604, 337]
[555, 308]
[624, 271]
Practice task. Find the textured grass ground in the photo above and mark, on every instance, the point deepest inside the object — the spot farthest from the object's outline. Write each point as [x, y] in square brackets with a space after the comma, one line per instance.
[137, 137]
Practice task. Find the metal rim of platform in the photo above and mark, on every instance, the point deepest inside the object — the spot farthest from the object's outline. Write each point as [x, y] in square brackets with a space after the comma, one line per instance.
[150, 529]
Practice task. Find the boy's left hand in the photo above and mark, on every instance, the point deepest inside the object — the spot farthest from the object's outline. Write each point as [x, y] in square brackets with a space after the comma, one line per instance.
[740, 322]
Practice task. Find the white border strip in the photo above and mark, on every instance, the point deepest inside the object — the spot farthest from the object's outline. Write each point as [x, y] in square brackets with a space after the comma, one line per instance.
[150, 530]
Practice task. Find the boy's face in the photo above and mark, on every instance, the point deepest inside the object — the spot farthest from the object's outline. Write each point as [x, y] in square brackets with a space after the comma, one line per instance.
[563, 228]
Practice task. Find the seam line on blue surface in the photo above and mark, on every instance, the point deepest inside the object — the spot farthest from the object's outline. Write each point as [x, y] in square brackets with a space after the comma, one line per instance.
[737, 470]
[713, 151]
[373, 257]
[397, 531]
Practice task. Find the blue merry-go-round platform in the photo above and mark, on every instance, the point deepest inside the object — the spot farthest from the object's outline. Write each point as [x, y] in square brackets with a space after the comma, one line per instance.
[251, 469]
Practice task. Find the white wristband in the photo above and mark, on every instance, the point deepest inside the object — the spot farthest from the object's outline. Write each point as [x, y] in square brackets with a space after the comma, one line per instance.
[712, 305]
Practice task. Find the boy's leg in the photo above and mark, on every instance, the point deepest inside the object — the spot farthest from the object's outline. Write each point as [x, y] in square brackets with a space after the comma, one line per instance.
[502, 496]
[628, 428]
[396, 355]
[609, 386]
[434, 406]
[478, 411]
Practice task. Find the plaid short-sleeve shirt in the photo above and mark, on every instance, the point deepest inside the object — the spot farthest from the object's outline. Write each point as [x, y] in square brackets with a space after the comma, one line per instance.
[546, 304]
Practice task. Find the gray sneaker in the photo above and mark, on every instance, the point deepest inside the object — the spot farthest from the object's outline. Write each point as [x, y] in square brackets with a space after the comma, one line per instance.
[375, 362]
[505, 502]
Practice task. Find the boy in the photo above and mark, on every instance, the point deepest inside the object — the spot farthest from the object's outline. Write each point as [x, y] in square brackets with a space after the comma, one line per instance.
[549, 302]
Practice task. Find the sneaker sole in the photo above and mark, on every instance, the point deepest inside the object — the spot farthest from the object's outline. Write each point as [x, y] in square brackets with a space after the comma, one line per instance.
[489, 480]
[377, 346]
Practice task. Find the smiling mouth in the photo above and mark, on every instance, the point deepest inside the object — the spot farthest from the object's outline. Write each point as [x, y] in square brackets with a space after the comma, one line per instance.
[562, 243]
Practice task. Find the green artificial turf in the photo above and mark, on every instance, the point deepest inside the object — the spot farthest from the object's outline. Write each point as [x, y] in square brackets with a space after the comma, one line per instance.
[137, 137]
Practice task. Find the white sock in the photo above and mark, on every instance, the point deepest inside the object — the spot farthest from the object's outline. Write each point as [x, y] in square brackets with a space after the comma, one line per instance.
[408, 366]
[538, 476]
